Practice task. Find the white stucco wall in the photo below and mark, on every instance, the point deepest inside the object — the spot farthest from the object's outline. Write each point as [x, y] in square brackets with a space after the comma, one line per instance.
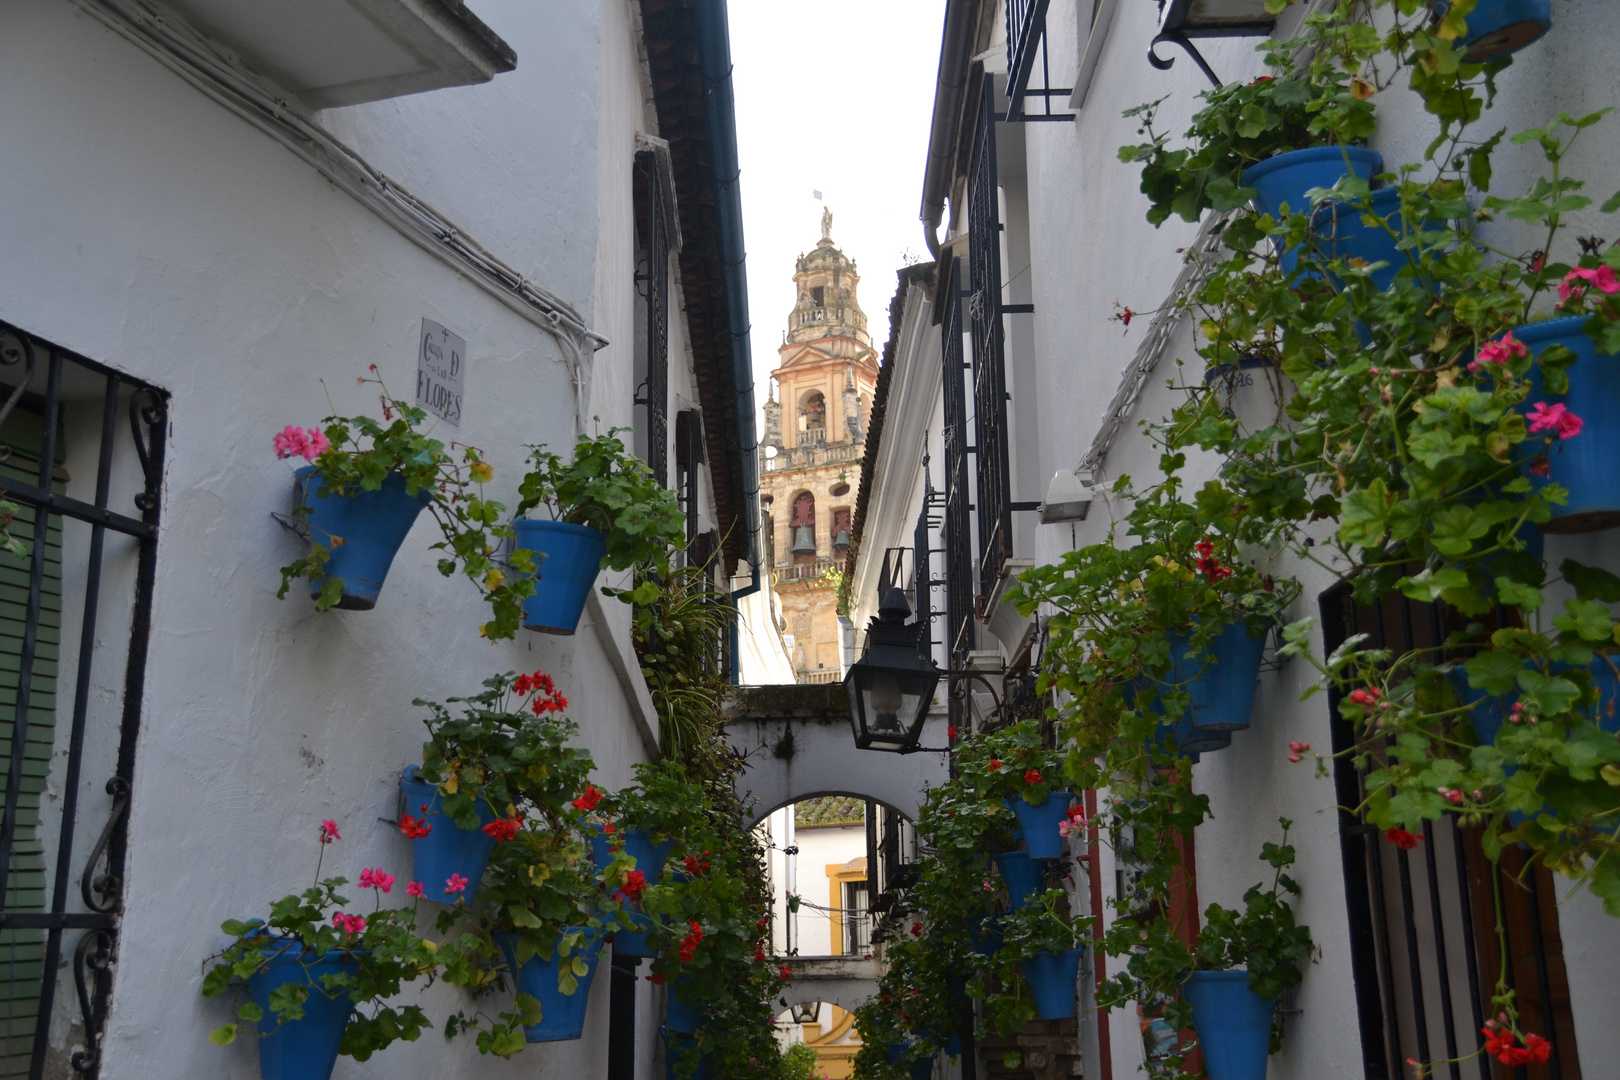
[151, 230]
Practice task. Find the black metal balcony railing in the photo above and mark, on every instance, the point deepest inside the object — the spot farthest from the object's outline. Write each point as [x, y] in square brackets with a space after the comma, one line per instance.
[959, 589]
[989, 346]
[653, 281]
[1026, 53]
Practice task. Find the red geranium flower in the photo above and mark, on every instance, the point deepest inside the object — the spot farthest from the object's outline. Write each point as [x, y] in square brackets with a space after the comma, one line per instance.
[546, 698]
[995, 766]
[414, 828]
[635, 883]
[587, 801]
[502, 829]
[1032, 777]
[689, 943]
[1402, 839]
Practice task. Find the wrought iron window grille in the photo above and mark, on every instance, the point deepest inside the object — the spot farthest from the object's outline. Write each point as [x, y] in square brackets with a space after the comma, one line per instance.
[989, 346]
[652, 285]
[1182, 20]
[689, 454]
[959, 629]
[1026, 50]
[42, 608]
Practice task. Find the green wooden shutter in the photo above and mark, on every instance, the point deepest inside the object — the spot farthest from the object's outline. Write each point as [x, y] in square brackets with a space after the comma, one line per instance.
[22, 952]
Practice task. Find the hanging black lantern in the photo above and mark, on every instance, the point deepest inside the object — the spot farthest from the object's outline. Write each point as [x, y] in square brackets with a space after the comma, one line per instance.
[891, 686]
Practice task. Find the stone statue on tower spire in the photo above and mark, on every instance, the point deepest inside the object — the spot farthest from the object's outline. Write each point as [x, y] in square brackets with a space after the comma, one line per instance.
[826, 223]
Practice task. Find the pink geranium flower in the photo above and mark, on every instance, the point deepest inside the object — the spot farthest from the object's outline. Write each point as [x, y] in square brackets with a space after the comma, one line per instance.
[1499, 352]
[1576, 282]
[376, 879]
[307, 443]
[329, 831]
[349, 924]
[455, 883]
[1555, 418]
[413, 888]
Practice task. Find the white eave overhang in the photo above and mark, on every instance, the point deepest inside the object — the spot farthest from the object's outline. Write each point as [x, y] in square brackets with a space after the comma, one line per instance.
[345, 52]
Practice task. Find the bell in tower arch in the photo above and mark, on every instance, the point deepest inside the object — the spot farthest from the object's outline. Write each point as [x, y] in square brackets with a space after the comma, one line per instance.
[804, 540]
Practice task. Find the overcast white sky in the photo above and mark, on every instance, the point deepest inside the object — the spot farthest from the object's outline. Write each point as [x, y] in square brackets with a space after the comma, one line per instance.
[834, 95]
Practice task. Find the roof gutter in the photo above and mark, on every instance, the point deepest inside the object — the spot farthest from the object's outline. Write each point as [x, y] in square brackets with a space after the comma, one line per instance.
[955, 55]
[720, 114]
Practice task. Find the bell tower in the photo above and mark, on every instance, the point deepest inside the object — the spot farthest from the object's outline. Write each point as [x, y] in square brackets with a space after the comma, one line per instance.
[815, 436]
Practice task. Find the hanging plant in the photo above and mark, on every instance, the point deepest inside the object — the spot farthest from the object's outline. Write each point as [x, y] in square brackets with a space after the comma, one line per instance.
[316, 978]
[367, 481]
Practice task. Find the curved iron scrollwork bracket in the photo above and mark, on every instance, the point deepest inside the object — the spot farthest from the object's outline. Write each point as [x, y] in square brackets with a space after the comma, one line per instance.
[147, 411]
[92, 963]
[9, 357]
[106, 886]
[1176, 37]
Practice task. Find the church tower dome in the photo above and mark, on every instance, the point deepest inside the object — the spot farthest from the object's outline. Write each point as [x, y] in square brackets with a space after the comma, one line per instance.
[826, 284]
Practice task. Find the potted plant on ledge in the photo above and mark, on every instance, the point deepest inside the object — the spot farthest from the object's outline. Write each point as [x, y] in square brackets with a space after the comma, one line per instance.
[606, 509]
[1244, 961]
[315, 978]
[1046, 943]
[507, 749]
[1268, 141]
[365, 486]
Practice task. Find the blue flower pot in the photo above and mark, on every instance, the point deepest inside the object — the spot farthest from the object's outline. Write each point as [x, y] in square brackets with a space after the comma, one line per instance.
[570, 558]
[677, 1047]
[448, 849]
[985, 934]
[1342, 233]
[1051, 978]
[1181, 737]
[562, 1016]
[1221, 682]
[305, 1049]
[1584, 465]
[650, 859]
[1286, 178]
[1022, 874]
[1499, 27]
[1039, 824]
[680, 1016]
[922, 1069]
[1233, 1024]
[371, 526]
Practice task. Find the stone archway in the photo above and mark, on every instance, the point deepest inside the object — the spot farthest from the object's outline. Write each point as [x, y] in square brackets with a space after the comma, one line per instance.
[796, 744]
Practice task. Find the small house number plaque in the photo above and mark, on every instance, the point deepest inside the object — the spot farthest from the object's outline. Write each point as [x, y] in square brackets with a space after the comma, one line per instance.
[441, 371]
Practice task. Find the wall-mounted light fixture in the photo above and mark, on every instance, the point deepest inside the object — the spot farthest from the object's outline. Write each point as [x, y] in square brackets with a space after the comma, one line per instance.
[891, 686]
[1068, 498]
